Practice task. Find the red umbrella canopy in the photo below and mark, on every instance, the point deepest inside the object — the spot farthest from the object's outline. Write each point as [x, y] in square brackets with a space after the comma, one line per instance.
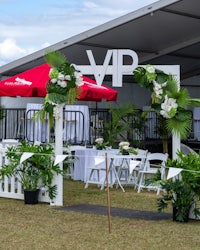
[90, 91]
[32, 83]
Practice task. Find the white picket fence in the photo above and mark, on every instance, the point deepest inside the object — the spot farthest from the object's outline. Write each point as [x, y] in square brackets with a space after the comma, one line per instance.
[10, 187]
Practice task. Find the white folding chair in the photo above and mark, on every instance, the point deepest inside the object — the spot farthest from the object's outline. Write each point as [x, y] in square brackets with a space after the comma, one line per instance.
[154, 162]
[95, 172]
[187, 150]
[136, 165]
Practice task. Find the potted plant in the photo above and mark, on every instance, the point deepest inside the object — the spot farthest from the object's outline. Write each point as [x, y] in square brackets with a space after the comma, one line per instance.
[183, 193]
[180, 195]
[34, 173]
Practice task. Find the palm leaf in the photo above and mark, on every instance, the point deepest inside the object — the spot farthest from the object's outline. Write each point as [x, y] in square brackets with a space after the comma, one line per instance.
[194, 102]
[180, 124]
[57, 98]
[72, 95]
[172, 84]
[182, 97]
[55, 59]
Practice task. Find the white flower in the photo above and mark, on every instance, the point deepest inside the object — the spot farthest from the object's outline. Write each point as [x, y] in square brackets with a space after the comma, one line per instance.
[157, 89]
[169, 103]
[124, 143]
[169, 107]
[67, 77]
[99, 140]
[61, 76]
[53, 80]
[150, 69]
[56, 112]
[79, 79]
[62, 84]
[125, 147]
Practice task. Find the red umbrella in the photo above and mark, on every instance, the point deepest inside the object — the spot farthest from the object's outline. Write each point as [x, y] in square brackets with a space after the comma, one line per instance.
[32, 83]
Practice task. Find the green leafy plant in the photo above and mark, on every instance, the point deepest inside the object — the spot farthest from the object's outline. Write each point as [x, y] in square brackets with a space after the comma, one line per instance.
[37, 171]
[114, 130]
[185, 192]
[180, 195]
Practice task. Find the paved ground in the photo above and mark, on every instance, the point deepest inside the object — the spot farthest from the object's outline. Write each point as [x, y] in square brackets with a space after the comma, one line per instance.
[120, 212]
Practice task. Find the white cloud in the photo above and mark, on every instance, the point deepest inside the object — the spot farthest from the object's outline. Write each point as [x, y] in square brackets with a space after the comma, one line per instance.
[9, 50]
[23, 34]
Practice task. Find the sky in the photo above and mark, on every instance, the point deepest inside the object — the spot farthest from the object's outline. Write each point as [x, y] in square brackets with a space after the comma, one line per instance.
[28, 26]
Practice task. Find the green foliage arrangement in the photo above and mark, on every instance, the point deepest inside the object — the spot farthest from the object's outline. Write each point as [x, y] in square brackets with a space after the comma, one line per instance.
[185, 192]
[63, 85]
[37, 171]
[168, 100]
[181, 197]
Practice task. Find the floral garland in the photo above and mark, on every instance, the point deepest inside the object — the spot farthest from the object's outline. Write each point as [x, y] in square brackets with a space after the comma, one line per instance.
[63, 83]
[168, 100]
[63, 86]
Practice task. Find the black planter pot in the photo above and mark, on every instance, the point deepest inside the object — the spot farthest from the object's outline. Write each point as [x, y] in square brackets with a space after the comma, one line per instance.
[185, 218]
[31, 196]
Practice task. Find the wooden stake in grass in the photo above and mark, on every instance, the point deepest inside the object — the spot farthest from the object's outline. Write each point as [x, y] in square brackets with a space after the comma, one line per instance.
[108, 193]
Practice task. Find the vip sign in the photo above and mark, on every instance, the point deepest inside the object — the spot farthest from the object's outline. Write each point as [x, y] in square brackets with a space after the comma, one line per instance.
[112, 65]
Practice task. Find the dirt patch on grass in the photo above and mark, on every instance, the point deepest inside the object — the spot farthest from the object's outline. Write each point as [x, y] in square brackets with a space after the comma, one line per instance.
[119, 212]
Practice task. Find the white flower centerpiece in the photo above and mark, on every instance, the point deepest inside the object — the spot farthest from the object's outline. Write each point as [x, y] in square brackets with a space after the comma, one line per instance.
[100, 144]
[125, 149]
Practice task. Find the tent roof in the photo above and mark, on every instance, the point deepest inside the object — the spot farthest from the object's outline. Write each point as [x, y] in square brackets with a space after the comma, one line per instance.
[165, 32]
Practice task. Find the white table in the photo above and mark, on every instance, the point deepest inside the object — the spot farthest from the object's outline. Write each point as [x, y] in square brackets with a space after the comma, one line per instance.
[76, 124]
[85, 157]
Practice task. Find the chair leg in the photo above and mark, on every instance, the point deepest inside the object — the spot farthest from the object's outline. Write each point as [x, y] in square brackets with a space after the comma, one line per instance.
[141, 178]
[90, 176]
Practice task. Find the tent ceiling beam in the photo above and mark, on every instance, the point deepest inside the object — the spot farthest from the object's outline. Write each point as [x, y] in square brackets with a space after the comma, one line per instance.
[170, 49]
[180, 13]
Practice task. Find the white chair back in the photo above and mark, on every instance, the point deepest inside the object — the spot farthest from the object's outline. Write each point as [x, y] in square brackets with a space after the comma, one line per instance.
[155, 159]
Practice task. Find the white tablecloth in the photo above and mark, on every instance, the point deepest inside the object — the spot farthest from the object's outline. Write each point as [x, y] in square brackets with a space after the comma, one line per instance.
[36, 130]
[85, 159]
[75, 128]
[76, 124]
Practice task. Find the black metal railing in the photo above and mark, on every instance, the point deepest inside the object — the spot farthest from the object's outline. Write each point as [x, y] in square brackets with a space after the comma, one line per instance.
[18, 124]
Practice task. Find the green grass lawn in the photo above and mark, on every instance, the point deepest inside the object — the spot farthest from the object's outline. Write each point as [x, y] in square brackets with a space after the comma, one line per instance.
[44, 227]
